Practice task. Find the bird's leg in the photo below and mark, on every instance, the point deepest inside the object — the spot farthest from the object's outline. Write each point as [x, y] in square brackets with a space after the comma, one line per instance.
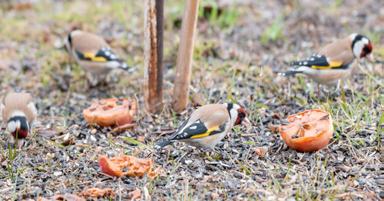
[111, 78]
[20, 143]
[207, 152]
[213, 153]
[338, 85]
[318, 90]
[92, 79]
[12, 142]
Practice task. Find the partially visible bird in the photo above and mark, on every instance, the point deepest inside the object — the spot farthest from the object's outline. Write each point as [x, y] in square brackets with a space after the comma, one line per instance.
[93, 54]
[334, 61]
[207, 125]
[19, 112]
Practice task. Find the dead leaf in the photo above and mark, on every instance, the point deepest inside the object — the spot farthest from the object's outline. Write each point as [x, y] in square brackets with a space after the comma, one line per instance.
[141, 138]
[261, 151]
[135, 195]
[98, 193]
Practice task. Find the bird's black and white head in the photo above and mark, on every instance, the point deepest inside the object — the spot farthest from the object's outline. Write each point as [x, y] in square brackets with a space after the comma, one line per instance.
[361, 45]
[69, 39]
[68, 42]
[237, 113]
[18, 125]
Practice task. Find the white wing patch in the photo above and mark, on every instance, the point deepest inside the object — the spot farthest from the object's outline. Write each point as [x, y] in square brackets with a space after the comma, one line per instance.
[193, 127]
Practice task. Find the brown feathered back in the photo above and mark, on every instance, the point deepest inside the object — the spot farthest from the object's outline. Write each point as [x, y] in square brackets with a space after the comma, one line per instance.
[18, 102]
[87, 42]
[211, 114]
[340, 50]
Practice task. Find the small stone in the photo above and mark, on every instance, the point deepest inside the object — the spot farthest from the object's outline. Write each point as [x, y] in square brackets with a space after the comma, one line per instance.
[93, 131]
[188, 161]
[261, 151]
[50, 155]
[66, 137]
[381, 194]
[361, 182]
[141, 138]
[214, 196]
[57, 173]
[92, 138]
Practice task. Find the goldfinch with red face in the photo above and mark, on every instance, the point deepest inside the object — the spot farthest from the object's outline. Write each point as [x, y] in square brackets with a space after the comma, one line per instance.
[207, 125]
[93, 54]
[334, 61]
[19, 112]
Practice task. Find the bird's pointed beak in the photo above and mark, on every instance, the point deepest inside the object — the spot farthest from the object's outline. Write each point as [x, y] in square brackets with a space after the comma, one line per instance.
[371, 58]
[246, 122]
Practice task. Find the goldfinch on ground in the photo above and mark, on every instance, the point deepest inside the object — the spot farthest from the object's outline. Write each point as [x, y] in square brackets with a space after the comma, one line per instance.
[334, 61]
[93, 54]
[19, 112]
[207, 125]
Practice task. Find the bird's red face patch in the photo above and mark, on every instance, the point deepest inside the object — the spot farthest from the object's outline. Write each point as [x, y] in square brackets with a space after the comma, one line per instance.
[20, 133]
[366, 50]
[241, 115]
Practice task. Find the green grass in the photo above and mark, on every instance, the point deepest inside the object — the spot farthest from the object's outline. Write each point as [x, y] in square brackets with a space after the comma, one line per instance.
[225, 19]
[274, 32]
[12, 154]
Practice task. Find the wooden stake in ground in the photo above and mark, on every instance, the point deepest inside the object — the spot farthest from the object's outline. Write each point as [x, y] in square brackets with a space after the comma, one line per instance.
[153, 55]
[184, 57]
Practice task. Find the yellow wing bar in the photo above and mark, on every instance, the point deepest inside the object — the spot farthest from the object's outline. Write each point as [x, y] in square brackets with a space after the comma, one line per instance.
[332, 64]
[209, 131]
[92, 57]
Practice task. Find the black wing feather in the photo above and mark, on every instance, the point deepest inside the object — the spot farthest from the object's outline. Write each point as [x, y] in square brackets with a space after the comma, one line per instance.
[314, 60]
[185, 133]
[107, 54]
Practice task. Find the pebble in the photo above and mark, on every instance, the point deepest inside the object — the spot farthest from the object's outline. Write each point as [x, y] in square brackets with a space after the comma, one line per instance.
[188, 161]
[57, 173]
[66, 137]
[215, 196]
[92, 138]
[93, 131]
[381, 194]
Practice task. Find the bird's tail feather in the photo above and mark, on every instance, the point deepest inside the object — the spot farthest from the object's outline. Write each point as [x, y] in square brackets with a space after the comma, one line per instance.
[123, 65]
[162, 143]
[291, 72]
[296, 63]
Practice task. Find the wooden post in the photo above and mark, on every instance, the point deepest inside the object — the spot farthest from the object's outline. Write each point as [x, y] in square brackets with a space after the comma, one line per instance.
[153, 55]
[184, 57]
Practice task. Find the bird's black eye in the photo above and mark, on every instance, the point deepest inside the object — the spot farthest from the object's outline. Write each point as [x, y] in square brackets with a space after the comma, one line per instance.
[366, 49]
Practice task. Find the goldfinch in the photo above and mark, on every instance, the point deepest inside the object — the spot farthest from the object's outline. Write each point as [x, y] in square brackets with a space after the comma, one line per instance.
[207, 125]
[334, 61]
[19, 113]
[93, 54]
